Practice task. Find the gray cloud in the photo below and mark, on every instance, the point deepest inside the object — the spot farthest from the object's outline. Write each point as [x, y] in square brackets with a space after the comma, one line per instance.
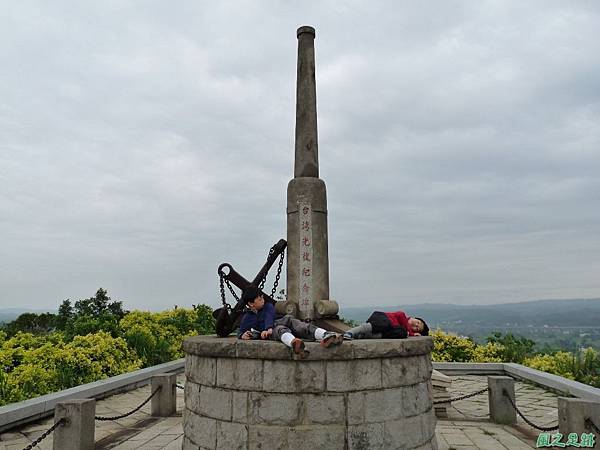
[141, 144]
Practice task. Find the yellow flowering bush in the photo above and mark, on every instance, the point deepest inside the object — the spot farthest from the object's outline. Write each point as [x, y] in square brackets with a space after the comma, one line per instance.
[157, 336]
[92, 340]
[490, 352]
[449, 347]
[36, 365]
[558, 364]
[583, 366]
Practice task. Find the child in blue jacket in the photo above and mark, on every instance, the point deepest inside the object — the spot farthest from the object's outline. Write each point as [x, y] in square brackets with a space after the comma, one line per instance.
[259, 322]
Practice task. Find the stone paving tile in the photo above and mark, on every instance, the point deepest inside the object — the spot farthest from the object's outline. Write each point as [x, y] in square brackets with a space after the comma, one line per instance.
[160, 441]
[176, 444]
[18, 445]
[485, 436]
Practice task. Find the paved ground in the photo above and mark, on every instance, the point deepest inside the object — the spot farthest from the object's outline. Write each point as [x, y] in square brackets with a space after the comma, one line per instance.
[467, 426]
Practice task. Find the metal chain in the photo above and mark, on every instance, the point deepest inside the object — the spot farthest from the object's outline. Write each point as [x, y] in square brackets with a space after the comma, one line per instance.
[122, 416]
[264, 279]
[529, 422]
[61, 421]
[180, 386]
[237, 299]
[461, 397]
[222, 288]
[592, 425]
[278, 275]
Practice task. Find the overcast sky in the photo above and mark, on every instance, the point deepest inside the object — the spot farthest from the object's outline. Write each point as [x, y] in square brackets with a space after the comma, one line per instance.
[143, 143]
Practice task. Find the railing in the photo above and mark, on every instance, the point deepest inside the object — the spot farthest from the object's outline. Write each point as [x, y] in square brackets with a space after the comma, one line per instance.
[518, 371]
[72, 407]
[575, 416]
[17, 414]
[74, 420]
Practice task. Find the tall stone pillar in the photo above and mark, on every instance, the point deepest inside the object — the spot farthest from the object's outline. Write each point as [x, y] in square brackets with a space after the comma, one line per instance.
[308, 259]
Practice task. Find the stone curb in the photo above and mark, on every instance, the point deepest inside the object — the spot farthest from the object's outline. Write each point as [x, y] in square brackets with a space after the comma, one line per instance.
[232, 347]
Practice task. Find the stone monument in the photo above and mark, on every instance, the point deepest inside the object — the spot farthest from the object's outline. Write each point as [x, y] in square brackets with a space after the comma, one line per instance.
[365, 394]
[308, 257]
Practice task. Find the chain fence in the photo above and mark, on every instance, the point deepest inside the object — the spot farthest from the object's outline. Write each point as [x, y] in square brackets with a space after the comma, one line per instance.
[46, 433]
[122, 416]
[463, 397]
[529, 422]
[545, 428]
[63, 421]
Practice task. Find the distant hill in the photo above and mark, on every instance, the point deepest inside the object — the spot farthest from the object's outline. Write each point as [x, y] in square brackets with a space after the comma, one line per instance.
[565, 313]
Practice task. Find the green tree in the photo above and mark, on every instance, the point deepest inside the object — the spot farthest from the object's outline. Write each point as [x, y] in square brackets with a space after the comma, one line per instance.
[65, 314]
[516, 348]
[31, 323]
[94, 314]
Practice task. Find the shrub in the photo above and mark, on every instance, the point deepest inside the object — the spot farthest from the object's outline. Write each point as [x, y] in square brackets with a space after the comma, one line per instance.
[37, 365]
[449, 347]
[157, 337]
[583, 366]
[515, 348]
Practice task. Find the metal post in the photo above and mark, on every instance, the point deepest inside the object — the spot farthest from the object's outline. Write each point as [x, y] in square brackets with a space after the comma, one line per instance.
[78, 432]
[501, 410]
[164, 403]
[572, 415]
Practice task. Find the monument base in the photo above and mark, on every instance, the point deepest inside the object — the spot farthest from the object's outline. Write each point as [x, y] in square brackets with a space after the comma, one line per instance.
[363, 394]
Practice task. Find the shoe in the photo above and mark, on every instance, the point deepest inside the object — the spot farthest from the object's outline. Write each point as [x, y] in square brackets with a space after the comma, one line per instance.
[298, 347]
[348, 336]
[331, 338]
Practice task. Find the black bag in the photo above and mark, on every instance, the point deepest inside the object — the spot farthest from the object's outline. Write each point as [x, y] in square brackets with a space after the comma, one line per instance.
[222, 322]
[226, 320]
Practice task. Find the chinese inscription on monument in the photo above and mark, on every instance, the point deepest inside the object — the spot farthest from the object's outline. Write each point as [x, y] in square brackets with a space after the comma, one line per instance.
[306, 256]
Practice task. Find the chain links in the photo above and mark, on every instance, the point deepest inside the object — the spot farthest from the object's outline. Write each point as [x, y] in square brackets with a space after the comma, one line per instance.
[278, 275]
[222, 289]
[237, 299]
[60, 422]
[222, 282]
[122, 416]
[463, 397]
[264, 279]
[529, 422]
[180, 386]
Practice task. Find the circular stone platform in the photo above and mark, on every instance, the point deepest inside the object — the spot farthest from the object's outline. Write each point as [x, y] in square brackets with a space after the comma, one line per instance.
[363, 394]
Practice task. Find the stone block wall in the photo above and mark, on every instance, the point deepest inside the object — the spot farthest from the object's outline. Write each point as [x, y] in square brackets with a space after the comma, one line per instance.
[368, 394]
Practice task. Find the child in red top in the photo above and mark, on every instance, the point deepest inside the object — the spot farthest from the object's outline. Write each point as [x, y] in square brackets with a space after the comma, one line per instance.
[388, 325]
